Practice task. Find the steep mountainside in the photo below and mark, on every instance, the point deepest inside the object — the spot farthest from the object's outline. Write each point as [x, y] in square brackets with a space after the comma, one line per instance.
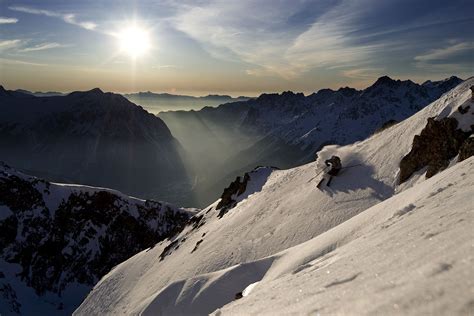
[409, 245]
[158, 102]
[286, 130]
[57, 240]
[91, 138]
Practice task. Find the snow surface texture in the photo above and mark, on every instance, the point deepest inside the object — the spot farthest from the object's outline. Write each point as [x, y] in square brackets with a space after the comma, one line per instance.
[57, 240]
[405, 253]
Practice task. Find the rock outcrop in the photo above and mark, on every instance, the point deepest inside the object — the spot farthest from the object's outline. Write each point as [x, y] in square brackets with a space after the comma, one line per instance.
[236, 188]
[439, 142]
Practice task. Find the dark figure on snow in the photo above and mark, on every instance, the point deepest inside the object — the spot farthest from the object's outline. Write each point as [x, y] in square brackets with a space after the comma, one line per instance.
[335, 166]
[335, 163]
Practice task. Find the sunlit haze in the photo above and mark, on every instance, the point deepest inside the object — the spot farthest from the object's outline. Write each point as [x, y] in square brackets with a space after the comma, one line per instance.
[134, 41]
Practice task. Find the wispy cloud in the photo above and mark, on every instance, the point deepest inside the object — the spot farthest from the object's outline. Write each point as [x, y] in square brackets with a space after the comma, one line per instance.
[165, 67]
[272, 37]
[288, 38]
[363, 73]
[447, 52]
[43, 46]
[5, 44]
[4, 20]
[20, 62]
[66, 17]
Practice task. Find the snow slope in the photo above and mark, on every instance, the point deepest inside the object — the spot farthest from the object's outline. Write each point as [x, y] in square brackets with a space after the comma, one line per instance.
[57, 240]
[409, 255]
[211, 261]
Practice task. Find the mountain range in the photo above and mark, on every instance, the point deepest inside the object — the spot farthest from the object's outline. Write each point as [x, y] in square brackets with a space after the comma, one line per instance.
[286, 130]
[187, 157]
[160, 102]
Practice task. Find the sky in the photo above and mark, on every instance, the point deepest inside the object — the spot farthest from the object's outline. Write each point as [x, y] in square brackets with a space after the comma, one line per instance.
[234, 47]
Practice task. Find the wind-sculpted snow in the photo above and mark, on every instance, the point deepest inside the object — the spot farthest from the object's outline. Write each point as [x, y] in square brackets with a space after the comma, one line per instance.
[311, 253]
[56, 241]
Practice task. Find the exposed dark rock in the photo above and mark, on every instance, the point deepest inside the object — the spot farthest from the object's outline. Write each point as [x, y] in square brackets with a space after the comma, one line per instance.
[197, 245]
[167, 250]
[438, 143]
[386, 125]
[464, 110]
[8, 294]
[467, 149]
[235, 189]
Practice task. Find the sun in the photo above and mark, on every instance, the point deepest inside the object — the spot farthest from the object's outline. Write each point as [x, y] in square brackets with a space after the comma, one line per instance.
[134, 41]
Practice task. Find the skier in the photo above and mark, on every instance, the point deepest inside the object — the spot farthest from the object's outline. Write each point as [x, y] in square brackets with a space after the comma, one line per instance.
[334, 163]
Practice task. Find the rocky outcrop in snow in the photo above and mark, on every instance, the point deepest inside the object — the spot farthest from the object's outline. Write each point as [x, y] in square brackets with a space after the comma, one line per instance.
[439, 142]
[242, 187]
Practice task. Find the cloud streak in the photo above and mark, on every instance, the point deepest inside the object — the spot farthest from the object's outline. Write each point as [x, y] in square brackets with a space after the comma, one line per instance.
[66, 17]
[447, 52]
[6, 44]
[4, 20]
[43, 46]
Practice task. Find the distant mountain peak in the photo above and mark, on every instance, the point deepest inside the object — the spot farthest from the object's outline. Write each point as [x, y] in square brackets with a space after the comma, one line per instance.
[384, 80]
[96, 91]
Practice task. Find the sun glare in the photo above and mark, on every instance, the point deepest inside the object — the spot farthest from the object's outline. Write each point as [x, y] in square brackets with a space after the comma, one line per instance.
[134, 41]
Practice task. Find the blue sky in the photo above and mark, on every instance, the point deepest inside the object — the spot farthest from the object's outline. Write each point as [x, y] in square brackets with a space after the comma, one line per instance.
[236, 47]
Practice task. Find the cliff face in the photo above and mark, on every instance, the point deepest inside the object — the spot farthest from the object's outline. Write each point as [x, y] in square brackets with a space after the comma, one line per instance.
[92, 138]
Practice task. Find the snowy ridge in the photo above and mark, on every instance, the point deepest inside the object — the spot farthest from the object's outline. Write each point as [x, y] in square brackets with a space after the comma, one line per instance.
[219, 257]
[57, 240]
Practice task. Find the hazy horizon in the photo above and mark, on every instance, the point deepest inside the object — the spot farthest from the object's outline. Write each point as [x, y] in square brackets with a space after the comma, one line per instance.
[233, 95]
[221, 47]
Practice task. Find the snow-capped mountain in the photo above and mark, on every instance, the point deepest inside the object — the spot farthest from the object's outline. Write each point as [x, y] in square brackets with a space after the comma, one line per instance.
[391, 235]
[57, 240]
[286, 130]
[92, 138]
